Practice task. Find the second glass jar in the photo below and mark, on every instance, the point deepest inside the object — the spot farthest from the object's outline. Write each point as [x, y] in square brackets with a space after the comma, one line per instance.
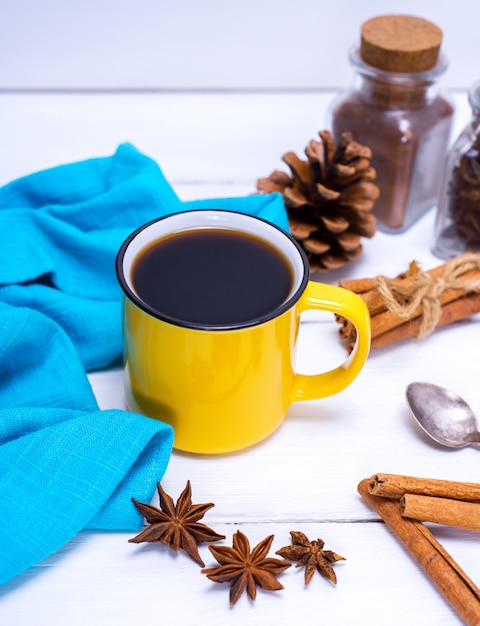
[457, 227]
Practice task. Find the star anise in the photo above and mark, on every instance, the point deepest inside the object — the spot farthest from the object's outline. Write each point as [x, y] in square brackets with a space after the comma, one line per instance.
[176, 525]
[311, 554]
[245, 569]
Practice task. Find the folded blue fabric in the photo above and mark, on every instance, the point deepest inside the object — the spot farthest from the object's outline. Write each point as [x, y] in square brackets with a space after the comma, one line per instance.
[65, 465]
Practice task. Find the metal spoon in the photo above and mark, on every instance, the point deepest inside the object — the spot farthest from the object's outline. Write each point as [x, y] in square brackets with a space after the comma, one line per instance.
[443, 415]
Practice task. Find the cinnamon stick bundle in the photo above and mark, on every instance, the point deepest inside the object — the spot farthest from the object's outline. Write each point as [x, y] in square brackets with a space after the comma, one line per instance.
[454, 584]
[414, 303]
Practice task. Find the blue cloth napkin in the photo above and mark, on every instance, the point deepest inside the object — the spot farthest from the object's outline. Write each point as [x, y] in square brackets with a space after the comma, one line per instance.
[65, 465]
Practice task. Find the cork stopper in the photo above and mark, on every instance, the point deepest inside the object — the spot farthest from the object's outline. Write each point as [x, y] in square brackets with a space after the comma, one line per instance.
[400, 43]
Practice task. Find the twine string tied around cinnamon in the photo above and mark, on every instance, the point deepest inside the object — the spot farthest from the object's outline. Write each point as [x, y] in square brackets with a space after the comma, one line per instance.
[423, 290]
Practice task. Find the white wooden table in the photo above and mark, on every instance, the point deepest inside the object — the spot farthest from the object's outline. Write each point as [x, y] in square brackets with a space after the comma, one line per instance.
[305, 476]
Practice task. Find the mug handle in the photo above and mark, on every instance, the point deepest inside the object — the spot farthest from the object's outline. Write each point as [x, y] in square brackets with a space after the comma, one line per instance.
[347, 304]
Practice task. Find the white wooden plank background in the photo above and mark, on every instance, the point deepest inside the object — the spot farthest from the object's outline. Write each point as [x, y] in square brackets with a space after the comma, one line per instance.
[239, 85]
[215, 44]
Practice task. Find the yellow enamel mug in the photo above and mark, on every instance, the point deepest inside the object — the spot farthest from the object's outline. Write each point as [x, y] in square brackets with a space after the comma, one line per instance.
[224, 387]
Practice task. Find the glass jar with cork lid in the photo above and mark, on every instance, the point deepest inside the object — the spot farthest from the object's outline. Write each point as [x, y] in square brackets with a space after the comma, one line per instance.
[457, 227]
[396, 109]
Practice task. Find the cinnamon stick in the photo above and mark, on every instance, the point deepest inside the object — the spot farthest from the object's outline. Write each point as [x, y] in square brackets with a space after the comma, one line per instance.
[465, 515]
[454, 584]
[366, 288]
[452, 312]
[396, 486]
[359, 285]
[366, 284]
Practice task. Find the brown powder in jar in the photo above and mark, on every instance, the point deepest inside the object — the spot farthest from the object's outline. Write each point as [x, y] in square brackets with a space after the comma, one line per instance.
[407, 151]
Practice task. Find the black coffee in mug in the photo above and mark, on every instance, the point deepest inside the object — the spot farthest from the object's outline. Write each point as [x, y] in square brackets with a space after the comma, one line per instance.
[212, 277]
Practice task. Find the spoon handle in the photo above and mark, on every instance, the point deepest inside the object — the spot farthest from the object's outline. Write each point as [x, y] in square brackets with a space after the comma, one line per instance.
[475, 439]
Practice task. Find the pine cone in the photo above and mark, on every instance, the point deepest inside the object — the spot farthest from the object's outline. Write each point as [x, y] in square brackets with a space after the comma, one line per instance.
[328, 198]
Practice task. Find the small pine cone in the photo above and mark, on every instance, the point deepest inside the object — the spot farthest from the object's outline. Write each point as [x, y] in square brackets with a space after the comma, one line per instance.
[329, 198]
